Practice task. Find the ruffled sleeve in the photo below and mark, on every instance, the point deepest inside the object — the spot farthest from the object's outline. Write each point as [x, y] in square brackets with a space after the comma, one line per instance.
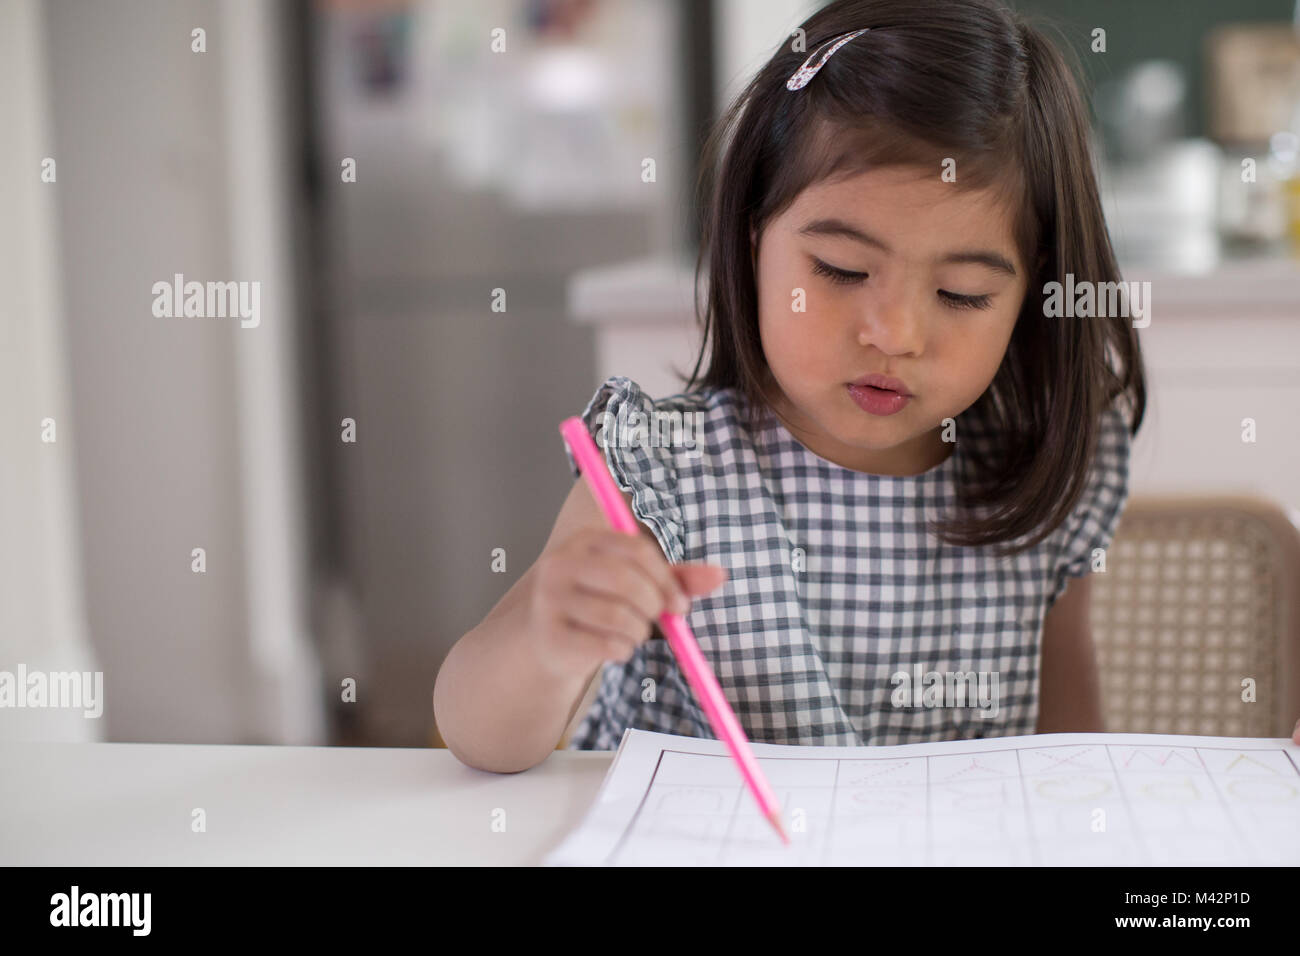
[1092, 523]
[622, 422]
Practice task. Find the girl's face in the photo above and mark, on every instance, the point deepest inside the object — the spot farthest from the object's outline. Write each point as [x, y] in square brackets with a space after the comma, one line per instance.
[902, 275]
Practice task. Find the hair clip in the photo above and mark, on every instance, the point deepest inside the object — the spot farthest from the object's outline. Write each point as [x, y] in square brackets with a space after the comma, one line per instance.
[802, 76]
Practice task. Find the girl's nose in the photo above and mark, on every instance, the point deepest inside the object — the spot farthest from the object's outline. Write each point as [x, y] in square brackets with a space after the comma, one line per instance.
[893, 327]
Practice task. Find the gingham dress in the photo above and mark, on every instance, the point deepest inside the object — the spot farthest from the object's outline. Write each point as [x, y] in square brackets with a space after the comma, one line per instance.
[834, 586]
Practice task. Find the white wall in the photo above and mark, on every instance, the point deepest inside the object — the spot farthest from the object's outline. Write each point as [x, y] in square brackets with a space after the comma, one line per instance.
[184, 427]
[42, 617]
[747, 33]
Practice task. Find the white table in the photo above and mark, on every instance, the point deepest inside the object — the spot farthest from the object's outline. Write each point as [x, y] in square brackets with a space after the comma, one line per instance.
[130, 805]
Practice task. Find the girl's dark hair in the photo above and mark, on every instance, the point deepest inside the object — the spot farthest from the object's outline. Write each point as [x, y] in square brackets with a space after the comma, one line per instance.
[971, 80]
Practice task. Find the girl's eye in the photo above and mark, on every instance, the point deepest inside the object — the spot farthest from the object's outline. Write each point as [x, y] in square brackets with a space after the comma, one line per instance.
[955, 301]
[952, 299]
[838, 276]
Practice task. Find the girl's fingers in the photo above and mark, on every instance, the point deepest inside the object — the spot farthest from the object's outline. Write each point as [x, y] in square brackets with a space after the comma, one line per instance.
[620, 651]
[607, 617]
[645, 555]
[599, 645]
[699, 578]
[619, 582]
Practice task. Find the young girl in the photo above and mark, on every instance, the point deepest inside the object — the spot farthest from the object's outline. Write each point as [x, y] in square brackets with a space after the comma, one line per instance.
[907, 466]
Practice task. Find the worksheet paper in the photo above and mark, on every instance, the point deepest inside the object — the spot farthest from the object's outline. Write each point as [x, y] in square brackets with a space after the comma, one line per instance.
[1049, 799]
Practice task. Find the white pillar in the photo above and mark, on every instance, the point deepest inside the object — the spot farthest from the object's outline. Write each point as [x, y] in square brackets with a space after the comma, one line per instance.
[287, 707]
[42, 608]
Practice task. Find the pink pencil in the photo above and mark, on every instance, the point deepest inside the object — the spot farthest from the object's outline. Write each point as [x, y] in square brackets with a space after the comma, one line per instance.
[680, 638]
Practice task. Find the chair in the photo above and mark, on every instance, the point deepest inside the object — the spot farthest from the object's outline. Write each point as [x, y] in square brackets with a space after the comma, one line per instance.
[1200, 593]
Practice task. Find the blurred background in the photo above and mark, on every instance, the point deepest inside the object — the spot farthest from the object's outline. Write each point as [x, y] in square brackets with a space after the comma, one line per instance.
[232, 523]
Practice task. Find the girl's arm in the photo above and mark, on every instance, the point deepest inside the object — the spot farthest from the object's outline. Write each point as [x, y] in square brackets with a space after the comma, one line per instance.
[497, 705]
[1069, 699]
[500, 704]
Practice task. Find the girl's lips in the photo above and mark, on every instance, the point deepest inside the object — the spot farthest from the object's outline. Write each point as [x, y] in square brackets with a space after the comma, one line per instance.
[878, 401]
[876, 380]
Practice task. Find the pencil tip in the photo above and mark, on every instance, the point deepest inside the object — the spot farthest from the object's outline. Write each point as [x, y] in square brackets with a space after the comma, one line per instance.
[775, 818]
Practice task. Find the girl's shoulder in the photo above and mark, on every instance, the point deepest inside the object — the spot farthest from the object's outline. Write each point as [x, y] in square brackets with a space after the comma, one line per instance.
[1078, 543]
[620, 395]
[1087, 534]
[672, 428]
[650, 443]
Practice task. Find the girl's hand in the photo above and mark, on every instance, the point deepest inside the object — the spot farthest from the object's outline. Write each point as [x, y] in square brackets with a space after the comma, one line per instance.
[596, 597]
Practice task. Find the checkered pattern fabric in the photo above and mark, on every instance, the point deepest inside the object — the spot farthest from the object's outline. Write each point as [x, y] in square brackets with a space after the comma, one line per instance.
[835, 586]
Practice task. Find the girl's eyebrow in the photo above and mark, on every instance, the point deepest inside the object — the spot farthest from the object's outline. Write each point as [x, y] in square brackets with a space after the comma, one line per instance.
[838, 227]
